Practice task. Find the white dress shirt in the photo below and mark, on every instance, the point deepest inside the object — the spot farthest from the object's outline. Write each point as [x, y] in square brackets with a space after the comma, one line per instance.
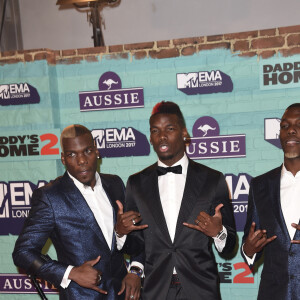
[100, 205]
[290, 206]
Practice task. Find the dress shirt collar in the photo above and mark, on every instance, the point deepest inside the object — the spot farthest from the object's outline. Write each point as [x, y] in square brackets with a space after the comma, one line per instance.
[286, 174]
[84, 188]
[184, 162]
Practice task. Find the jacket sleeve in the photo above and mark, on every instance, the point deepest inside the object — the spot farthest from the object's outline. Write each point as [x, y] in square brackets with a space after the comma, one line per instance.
[135, 240]
[222, 196]
[37, 229]
[252, 216]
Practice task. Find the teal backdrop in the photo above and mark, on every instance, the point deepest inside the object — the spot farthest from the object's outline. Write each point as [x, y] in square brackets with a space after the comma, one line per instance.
[242, 111]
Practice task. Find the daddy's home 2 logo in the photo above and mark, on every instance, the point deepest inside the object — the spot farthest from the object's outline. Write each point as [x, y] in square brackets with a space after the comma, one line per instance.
[15, 204]
[22, 284]
[204, 82]
[272, 130]
[17, 94]
[239, 190]
[31, 145]
[207, 143]
[278, 75]
[111, 95]
[114, 142]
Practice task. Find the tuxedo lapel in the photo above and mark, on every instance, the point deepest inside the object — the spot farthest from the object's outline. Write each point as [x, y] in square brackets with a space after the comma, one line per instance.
[274, 192]
[108, 190]
[152, 198]
[81, 207]
[192, 192]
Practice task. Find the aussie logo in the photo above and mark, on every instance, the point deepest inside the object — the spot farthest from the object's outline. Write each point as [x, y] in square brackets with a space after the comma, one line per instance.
[207, 143]
[21, 284]
[111, 95]
[114, 142]
[15, 204]
[33, 145]
[17, 94]
[272, 130]
[204, 82]
[239, 190]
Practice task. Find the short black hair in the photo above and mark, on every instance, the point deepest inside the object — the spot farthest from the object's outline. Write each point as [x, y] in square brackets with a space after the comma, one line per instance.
[293, 105]
[168, 107]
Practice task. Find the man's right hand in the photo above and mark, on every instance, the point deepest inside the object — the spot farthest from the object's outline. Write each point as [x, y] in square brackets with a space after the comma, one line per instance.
[126, 222]
[87, 276]
[256, 241]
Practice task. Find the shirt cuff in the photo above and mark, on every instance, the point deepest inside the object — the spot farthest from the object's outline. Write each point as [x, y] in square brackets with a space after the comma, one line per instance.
[137, 264]
[250, 261]
[220, 244]
[66, 281]
[120, 241]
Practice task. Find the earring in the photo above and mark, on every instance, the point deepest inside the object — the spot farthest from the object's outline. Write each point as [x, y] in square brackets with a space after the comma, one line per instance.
[184, 138]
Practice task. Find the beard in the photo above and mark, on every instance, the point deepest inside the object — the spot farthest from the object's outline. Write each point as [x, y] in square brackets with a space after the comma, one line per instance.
[291, 154]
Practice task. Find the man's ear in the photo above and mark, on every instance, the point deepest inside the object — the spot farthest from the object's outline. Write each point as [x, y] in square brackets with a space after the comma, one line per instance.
[184, 133]
[62, 157]
[97, 152]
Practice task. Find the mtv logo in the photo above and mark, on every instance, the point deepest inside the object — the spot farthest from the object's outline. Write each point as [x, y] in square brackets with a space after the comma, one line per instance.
[4, 208]
[99, 138]
[4, 91]
[272, 129]
[188, 80]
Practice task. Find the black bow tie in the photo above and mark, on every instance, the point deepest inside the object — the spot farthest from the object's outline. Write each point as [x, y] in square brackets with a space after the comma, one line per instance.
[163, 171]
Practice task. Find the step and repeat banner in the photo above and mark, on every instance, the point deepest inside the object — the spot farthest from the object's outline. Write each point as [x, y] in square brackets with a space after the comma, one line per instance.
[232, 106]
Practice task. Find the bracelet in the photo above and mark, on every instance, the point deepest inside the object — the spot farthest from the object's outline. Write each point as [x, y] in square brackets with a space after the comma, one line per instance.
[137, 271]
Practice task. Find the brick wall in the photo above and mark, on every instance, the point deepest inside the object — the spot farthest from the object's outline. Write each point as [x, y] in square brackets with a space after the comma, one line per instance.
[263, 43]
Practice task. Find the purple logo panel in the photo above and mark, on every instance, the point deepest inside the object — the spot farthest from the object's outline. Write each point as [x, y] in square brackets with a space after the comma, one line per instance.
[239, 191]
[113, 99]
[111, 95]
[15, 204]
[114, 142]
[22, 284]
[204, 82]
[224, 146]
[206, 126]
[18, 94]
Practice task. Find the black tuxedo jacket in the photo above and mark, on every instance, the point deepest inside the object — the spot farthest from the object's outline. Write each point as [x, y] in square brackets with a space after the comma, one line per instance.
[281, 271]
[60, 212]
[191, 252]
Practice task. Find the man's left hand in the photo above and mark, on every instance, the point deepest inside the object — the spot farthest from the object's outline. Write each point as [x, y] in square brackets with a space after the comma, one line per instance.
[132, 284]
[209, 225]
[297, 228]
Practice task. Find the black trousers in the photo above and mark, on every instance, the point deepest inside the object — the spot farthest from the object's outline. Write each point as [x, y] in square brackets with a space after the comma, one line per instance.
[176, 293]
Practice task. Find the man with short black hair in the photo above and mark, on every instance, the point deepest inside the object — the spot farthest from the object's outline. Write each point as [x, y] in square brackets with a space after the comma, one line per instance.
[178, 208]
[77, 212]
[273, 217]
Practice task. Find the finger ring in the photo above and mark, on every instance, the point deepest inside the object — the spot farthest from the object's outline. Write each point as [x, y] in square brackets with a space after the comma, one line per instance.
[197, 222]
[133, 221]
[131, 296]
[99, 278]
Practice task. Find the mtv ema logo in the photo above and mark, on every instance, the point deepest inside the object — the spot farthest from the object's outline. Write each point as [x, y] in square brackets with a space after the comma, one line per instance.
[207, 143]
[111, 95]
[204, 82]
[113, 142]
[15, 199]
[239, 190]
[272, 130]
[17, 94]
